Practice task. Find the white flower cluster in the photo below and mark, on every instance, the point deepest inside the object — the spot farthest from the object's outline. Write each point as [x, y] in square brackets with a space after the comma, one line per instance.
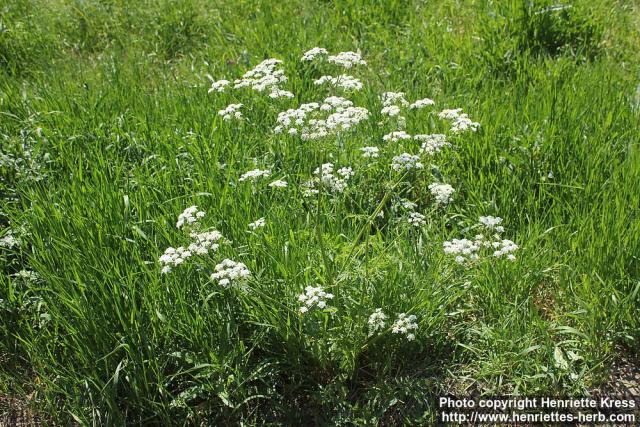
[219, 85]
[394, 98]
[406, 161]
[391, 110]
[396, 136]
[391, 106]
[341, 120]
[343, 82]
[450, 114]
[344, 59]
[492, 223]
[504, 247]
[264, 76]
[311, 54]
[376, 321]
[9, 241]
[189, 216]
[416, 219]
[254, 174]
[228, 273]
[421, 103]
[173, 257]
[278, 183]
[257, 224]
[280, 93]
[432, 143]
[408, 204]
[307, 119]
[459, 121]
[202, 244]
[393, 102]
[293, 119]
[347, 59]
[463, 249]
[325, 178]
[404, 325]
[27, 276]
[370, 152]
[205, 242]
[468, 250]
[343, 117]
[313, 296]
[231, 112]
[442, 192]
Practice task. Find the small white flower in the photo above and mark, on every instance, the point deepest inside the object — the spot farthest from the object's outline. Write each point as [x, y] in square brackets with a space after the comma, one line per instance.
[254, 174]
[201, 245]
[232, 111]
[505, 247]
[9, 241]
[459, 121]
[346, 173]
[409, 205]
[370, 152]
[462, 248]
[394, 98]
[27, 275]
[173, 257]
[205, 242]
[324, 177]
[396, 136]
[343, 82]
[278, 183]
[347, 59]
[257, 224]
[391, 110]
[406, 161]
[431, 143]
[491, 222]
[450, 114]
[376, 321]
[228, 273]
[463, 123]
[319, 120]
[470, 250]
[442, 192]
[280, 93]
[312, 54]
[421, 103]
[189, 216]
[313, 296]
[218, 86]
[404, 324]
[416, 219]
[265, 76]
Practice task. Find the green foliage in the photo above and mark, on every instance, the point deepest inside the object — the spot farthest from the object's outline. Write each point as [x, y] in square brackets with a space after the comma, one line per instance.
[520, 31]
[107, 133]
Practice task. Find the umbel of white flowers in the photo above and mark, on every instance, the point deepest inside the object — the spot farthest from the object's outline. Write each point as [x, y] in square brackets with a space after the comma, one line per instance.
[314, 296]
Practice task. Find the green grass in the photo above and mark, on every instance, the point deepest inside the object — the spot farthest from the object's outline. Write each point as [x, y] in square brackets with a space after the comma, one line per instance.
[108, 134]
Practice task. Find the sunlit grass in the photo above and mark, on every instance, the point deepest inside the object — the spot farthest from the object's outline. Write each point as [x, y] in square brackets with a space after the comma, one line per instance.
[108, 133]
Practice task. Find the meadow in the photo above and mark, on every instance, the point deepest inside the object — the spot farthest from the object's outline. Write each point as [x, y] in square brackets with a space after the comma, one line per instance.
[314, 212]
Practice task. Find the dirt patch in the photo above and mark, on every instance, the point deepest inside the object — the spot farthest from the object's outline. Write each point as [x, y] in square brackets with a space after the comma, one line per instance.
[14, 412]
[624, 381]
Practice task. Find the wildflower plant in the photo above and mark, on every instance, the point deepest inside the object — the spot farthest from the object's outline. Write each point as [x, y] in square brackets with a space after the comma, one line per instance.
[489, 243]
[324, 126]
[229, 273]
[337, 189]
[313, 296]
